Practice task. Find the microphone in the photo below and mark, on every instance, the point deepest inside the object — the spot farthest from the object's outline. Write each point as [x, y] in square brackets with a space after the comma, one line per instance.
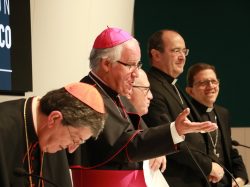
[197, 164]
[235, 143]
[20, 172]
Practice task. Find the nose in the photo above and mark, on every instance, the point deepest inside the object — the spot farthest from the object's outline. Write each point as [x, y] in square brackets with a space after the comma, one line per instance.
[210, 84]
[72, 148]
[182, 55]
[150, 95]
[135, 73]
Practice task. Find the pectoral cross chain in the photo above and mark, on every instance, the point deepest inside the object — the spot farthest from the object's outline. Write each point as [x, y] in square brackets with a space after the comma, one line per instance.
[217, 154]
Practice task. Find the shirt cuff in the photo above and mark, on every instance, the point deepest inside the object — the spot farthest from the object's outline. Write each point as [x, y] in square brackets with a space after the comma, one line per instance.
[176, 137]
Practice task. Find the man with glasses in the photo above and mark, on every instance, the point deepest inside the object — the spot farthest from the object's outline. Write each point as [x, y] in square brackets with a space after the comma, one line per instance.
[140, 98]
[114, 159]
[167, 53]
[141, 95]
[33, 128]
[203, 87]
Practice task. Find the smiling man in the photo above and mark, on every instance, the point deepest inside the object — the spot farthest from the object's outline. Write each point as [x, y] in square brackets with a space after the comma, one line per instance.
[167, 52]
[203, 87]
[33, 128]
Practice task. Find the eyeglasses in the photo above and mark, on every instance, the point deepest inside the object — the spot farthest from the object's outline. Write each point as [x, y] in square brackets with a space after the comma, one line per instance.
[185, 51]
[145, 89]
[75, 142]
[131, 67]
[207, 83]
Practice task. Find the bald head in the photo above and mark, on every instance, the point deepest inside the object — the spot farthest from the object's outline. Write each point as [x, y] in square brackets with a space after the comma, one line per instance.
[167, 51]
[142, 79]
[141, 94]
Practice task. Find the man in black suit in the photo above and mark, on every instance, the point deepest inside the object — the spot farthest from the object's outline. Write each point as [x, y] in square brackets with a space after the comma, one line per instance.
[125, 141]
[203, 87]
[167, 53]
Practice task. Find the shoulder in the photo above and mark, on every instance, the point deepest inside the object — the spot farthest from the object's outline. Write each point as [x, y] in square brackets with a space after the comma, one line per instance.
[87, 79]
[11, 114]
[11, 106]
[154, 75]
[221, 109]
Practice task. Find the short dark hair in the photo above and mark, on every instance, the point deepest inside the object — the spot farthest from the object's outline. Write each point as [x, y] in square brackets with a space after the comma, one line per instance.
[155, 41]
[75, 113]
[195, 69]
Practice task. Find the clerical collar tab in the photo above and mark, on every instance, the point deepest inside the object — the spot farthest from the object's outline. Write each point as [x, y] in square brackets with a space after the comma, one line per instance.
[174, 81]
[209, 109]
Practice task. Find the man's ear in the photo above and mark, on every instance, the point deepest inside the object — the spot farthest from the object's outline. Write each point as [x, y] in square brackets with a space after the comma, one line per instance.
[189, 91]
[155, 55]
[54, 117]
[105, 65]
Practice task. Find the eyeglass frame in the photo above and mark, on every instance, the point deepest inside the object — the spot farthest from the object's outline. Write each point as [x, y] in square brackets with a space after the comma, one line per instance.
[185, 51]
[146, 88]
[129, 66]
[73, 140]
[206, 83]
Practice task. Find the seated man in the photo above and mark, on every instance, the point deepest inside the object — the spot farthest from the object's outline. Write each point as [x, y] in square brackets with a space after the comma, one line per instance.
[203, 87]
[140, 98]
[32, 128]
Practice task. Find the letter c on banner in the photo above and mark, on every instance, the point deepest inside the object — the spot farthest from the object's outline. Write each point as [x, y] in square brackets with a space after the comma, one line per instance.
[5, 32]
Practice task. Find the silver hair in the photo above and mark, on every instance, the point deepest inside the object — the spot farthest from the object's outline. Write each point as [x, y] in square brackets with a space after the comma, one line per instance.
[112, 54]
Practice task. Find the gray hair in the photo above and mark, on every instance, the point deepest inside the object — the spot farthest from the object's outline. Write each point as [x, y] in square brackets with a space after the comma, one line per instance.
[75, 113]
[112, 54]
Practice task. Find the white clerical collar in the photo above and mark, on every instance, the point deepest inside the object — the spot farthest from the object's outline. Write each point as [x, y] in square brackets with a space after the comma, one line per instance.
[174, 81]
[209, 109]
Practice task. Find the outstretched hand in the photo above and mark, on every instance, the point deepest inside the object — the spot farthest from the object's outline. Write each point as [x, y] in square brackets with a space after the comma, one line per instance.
[184, 125]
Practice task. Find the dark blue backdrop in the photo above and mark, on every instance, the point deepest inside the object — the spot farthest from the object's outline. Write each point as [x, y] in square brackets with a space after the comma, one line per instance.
[15, 47]
[5, 65]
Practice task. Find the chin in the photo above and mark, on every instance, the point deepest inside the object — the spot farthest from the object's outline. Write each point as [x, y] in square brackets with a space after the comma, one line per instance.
[44, 149]
[52, 151]
[211, 101]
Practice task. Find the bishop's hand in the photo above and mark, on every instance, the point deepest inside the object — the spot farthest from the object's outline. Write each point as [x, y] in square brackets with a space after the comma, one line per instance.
[184, 125]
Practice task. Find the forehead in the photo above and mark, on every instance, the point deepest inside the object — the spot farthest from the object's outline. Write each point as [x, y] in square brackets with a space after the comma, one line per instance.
[131, 51]
[142, 80]
[173, 39]
[80, 131]
[205, 74]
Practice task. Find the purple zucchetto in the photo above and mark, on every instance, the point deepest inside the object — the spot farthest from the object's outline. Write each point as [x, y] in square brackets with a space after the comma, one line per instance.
[111, 37]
